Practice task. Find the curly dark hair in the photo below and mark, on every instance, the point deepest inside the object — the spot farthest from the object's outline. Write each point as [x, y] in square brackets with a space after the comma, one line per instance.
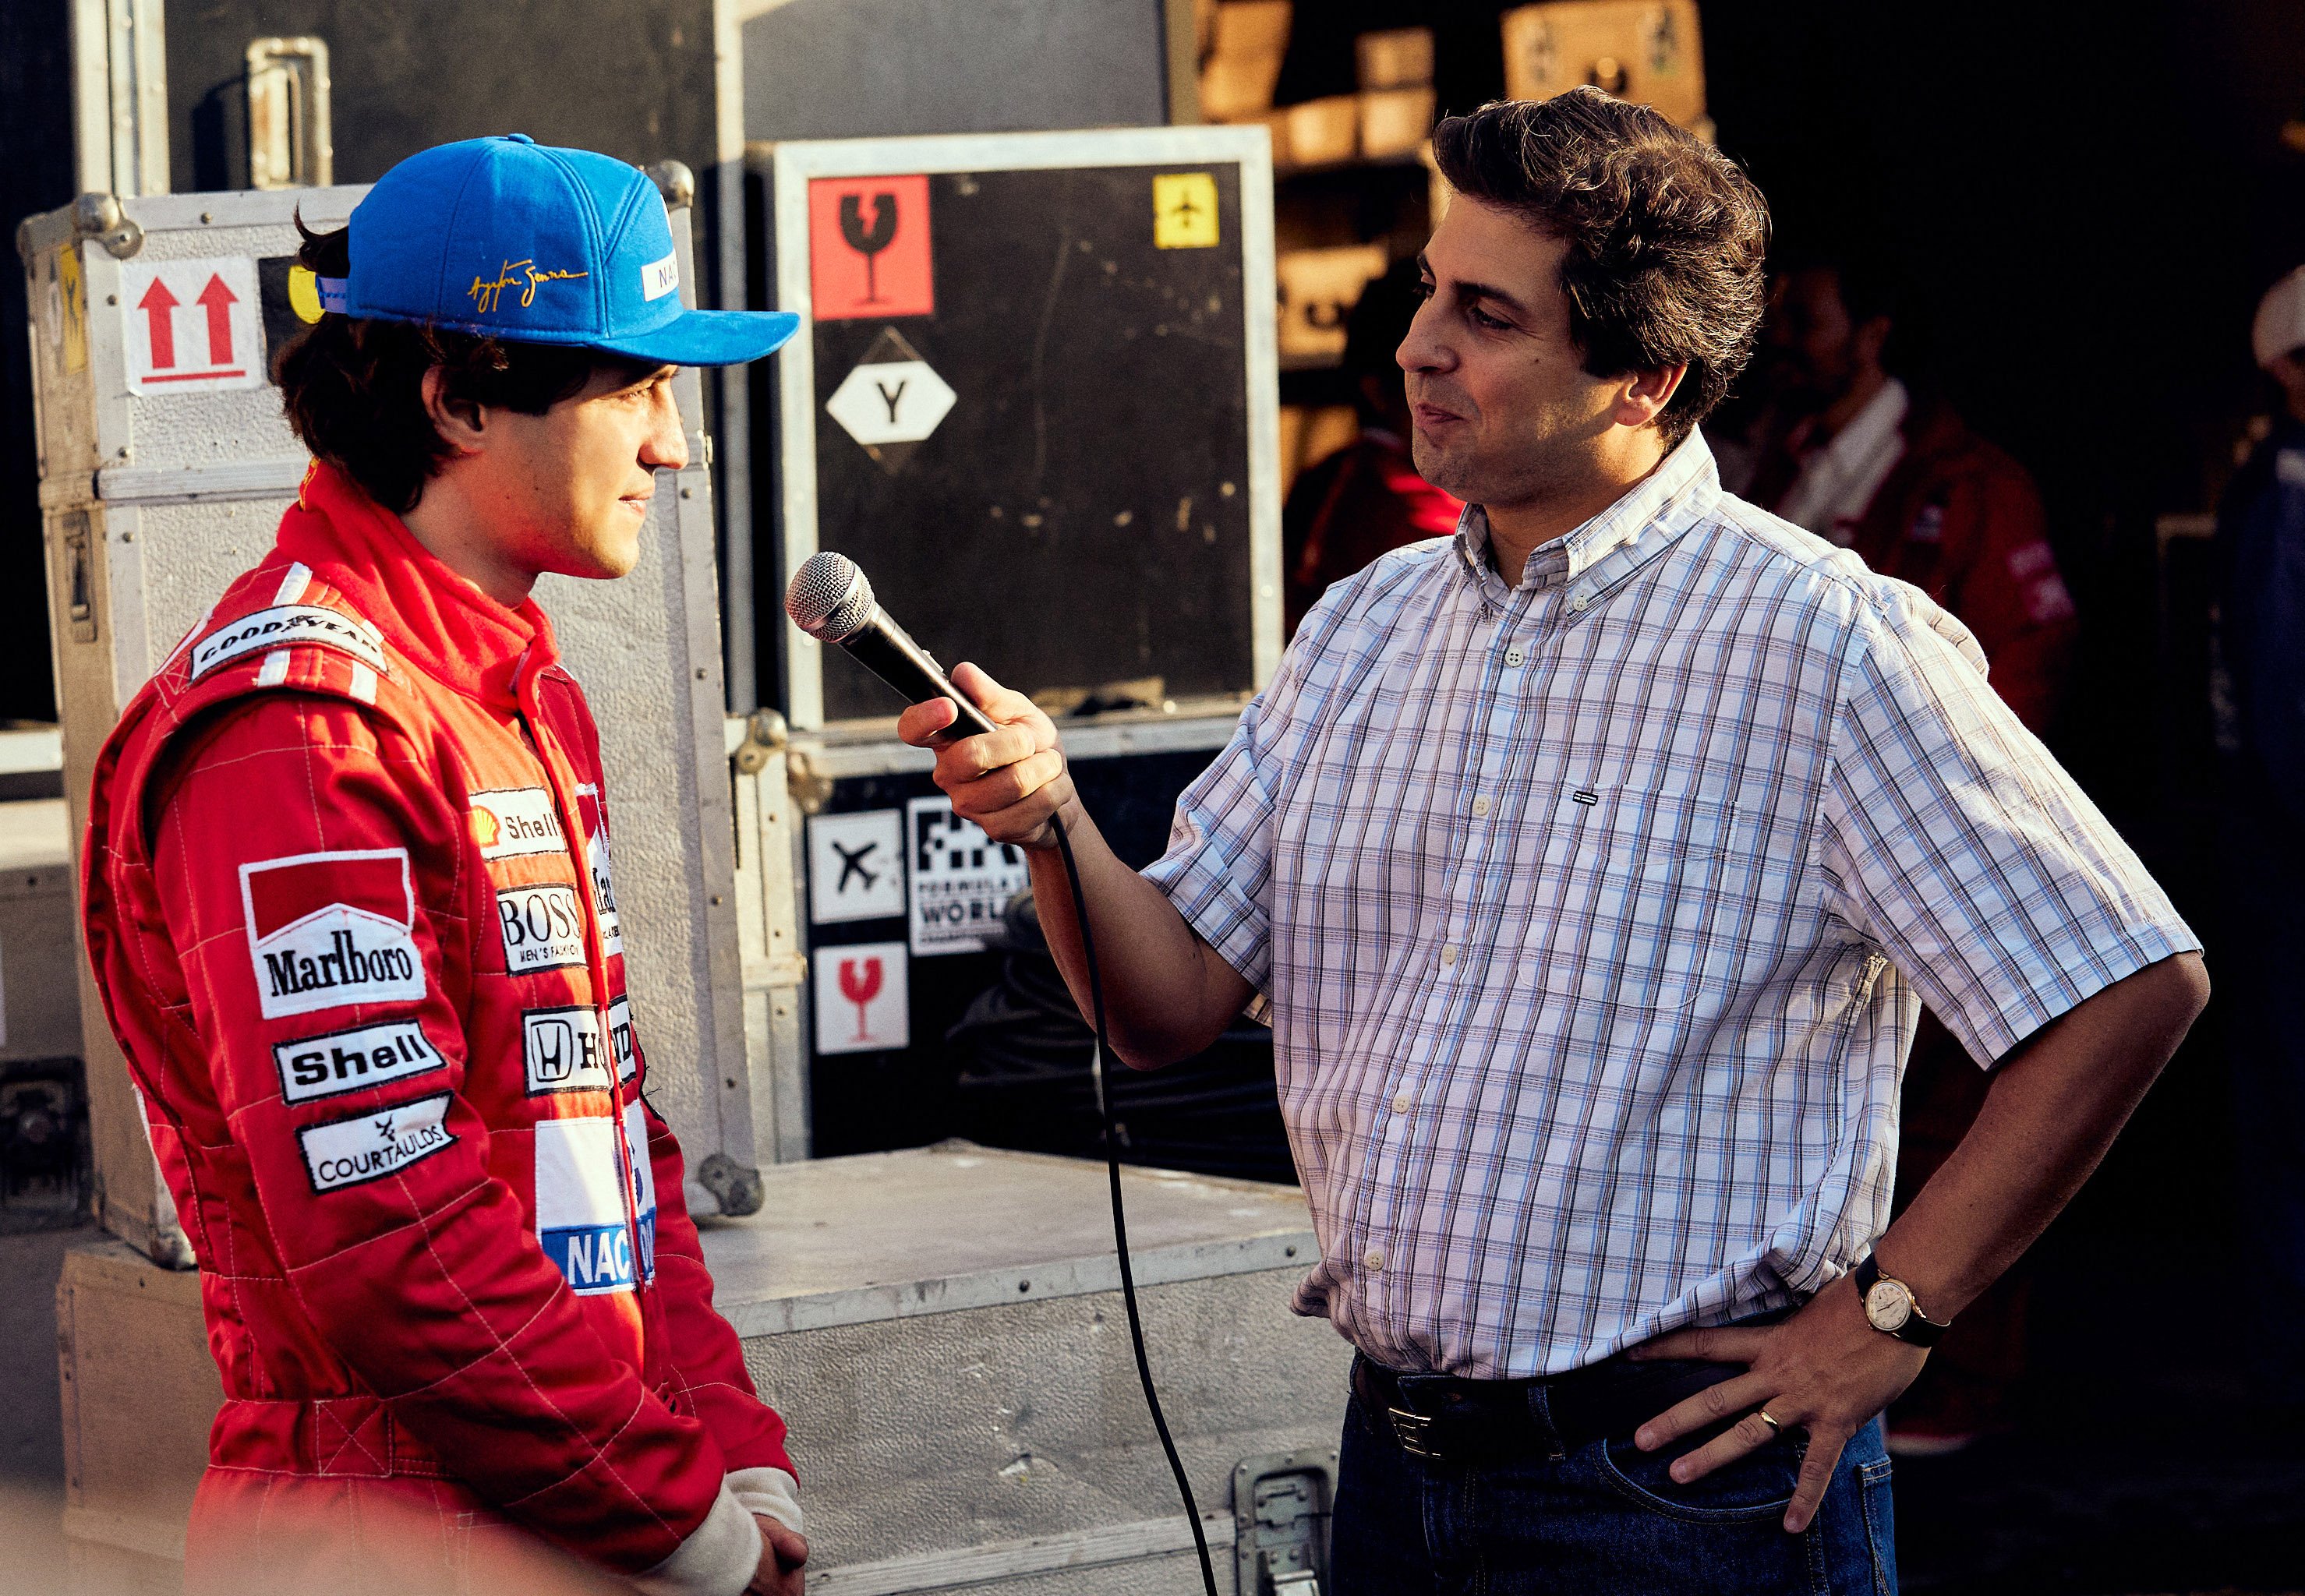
[1667, 238]
[354, 388]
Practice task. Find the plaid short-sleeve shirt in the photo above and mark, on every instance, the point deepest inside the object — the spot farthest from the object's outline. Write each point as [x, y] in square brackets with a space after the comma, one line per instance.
[1593, 914]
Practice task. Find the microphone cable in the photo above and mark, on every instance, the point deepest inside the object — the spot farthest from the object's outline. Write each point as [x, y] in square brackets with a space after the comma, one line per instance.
[1099, 1066]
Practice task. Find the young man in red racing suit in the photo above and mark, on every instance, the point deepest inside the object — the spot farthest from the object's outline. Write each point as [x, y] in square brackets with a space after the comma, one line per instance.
[348, 894]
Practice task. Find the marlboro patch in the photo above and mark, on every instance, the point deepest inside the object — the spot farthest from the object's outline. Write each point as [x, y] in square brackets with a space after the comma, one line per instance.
[285, 626]
[326, 930]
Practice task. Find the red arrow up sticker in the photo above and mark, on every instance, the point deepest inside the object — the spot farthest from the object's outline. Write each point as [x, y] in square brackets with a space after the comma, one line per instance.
[219, 302]
[160, 306]
[190, 325]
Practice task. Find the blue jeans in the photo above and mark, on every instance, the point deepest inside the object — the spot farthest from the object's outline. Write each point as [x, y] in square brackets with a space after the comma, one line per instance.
[1605, 1521]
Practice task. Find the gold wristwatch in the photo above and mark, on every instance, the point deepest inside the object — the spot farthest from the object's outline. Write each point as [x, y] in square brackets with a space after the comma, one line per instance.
[1891, 1308]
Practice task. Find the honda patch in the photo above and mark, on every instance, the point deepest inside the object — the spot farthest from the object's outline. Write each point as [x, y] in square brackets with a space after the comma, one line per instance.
[543, 927]
[330, 929]
[287, 624]
[343, 1061]
[560, 1050]
[516, 820]
[351, 1152]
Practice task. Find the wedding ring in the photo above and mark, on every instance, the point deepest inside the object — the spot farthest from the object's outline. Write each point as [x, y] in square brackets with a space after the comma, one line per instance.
[1769, 1419]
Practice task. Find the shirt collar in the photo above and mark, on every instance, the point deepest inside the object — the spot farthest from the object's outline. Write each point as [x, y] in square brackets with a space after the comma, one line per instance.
[1652, 513]
[439, 620]
[1871, 428]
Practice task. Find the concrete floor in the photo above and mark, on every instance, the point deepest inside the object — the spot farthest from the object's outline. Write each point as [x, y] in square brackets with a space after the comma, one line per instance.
[32, 1421]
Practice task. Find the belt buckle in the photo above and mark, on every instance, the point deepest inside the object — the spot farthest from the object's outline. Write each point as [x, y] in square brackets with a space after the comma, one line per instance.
[1414, 1432]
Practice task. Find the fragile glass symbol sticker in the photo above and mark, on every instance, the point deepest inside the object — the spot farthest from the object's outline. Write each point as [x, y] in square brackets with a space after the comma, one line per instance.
[1184, 210]
[890, 402]
[869, 249]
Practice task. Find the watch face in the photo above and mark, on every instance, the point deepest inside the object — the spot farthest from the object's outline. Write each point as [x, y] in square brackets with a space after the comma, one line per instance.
[1888, 1305]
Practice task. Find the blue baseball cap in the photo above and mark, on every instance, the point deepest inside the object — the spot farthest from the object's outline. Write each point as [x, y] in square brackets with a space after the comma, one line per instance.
[523, 242]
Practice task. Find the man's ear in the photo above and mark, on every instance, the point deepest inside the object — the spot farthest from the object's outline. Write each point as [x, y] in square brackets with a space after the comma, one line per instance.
[462, 423]
[1645, 394]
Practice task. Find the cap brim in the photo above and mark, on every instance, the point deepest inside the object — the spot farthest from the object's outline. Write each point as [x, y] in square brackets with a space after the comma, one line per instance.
[707, 338]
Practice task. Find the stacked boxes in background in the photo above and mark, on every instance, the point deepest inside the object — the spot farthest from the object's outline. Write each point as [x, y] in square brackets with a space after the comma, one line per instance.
[1242, 44]
[1395, 69]
[1318, 291]
[1645, 51]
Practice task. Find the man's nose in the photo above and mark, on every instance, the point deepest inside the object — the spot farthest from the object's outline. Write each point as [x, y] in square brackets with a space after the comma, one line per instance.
[1420, 351]
[665, 447]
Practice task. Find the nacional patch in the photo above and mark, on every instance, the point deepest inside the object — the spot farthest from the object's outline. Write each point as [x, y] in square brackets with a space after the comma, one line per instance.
[543, 927]
[516, 820]
[660, 277]
[592, 814]
[351, 1152]
[581, 1191]
[341, 1061]
[285, 625]
[330, 929]
[560, 1050]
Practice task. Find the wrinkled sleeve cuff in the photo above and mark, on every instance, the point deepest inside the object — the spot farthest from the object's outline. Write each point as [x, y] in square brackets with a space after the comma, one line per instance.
[768, 1492]
[719, 1557]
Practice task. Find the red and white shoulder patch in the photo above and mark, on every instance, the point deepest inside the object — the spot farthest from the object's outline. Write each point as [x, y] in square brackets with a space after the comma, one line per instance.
[289, 622]
[327, 931]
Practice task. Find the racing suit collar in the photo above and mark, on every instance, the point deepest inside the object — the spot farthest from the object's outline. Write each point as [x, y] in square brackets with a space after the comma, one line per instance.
[440, 621]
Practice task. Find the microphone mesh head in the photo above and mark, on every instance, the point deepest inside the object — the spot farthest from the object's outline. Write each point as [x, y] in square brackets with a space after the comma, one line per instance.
[829, 598]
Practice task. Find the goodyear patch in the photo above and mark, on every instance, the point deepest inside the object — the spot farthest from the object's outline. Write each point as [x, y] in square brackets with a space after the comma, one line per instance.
[287, 625]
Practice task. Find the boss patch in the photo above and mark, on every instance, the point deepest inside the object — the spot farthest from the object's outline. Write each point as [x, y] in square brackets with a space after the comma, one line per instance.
[543, 927]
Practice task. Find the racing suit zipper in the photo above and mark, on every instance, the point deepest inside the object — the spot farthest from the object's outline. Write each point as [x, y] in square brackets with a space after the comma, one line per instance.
[530, 720]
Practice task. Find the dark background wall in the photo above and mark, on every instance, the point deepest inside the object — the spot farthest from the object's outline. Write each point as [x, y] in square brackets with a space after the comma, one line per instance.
[36, 174]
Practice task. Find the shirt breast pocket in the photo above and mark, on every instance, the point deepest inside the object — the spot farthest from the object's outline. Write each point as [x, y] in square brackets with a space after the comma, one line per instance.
[1630, 898]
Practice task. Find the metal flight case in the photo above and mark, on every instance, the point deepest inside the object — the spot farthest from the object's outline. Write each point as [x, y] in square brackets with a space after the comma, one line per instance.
[165, 466]
[1035, 399]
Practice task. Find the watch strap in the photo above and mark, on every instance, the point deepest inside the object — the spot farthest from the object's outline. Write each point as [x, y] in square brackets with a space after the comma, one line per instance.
[1918, 1329]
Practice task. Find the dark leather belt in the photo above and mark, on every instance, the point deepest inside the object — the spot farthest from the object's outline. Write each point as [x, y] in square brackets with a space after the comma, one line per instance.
[1446, 1419]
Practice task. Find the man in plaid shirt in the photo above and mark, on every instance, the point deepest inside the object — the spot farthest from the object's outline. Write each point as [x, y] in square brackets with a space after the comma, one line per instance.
[1592, 868]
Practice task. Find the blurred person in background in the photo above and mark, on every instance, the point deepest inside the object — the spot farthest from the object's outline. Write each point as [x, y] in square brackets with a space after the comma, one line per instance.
[1899, 478]
[2261, 635]
[1365, 499]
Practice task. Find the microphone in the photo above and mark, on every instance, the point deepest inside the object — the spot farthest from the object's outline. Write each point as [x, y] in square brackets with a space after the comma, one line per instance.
[831, 602]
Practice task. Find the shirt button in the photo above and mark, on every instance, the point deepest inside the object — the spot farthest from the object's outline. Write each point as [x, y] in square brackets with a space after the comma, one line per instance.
[1513, 656]
[1374, 1259]
[1480, 807]
[1400, 1102]
[1449, 953]
[1578, 599]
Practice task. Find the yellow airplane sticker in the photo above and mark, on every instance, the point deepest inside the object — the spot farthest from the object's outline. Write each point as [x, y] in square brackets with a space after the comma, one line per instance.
[1184, 210]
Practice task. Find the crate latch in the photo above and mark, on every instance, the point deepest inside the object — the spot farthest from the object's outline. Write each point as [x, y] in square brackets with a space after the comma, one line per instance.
[1280, 1503]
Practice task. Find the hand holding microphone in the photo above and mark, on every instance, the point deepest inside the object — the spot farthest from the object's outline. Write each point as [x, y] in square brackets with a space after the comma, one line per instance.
[998, 757]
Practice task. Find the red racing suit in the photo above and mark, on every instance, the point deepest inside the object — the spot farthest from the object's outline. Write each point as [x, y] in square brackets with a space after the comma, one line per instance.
[347, 892]
[1959, 518]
